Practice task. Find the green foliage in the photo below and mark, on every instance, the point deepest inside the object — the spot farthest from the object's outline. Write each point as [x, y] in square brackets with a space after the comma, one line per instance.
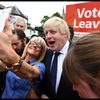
[57, 14]
[45, 18]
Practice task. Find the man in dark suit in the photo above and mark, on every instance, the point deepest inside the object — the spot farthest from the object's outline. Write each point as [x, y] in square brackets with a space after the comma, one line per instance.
[57, 35]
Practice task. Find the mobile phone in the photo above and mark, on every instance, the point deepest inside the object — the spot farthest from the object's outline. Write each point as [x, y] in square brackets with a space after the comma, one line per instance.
[4, 14]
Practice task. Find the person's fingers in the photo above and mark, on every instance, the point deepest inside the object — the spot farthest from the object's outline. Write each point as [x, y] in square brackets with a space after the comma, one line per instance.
[7, 28]
[4, 38]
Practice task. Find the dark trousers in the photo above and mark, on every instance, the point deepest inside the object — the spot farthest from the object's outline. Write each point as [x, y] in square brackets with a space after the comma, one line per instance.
[2, 82]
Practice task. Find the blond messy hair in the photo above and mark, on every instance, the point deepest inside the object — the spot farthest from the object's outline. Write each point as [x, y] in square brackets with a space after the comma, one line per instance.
[40, 41]
[61, 24]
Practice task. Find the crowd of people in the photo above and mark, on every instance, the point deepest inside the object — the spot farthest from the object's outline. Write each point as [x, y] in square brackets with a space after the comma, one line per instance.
[31, 69]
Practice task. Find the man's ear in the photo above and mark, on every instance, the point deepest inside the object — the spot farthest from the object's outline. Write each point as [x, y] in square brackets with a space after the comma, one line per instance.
[68, 35]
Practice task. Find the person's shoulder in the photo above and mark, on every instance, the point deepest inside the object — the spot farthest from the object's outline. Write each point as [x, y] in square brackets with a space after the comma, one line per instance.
[49, 51]
[40, 64]
[70, 44]
[47, 56]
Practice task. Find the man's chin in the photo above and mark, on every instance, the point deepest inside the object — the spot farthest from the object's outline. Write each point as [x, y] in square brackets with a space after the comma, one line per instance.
[51, 48]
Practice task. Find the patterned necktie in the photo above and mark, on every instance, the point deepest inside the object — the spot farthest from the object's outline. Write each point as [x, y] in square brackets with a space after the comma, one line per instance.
[53, 74]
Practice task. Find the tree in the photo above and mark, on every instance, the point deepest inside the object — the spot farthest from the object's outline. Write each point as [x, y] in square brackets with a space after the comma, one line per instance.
[57, 14]
[45, 18]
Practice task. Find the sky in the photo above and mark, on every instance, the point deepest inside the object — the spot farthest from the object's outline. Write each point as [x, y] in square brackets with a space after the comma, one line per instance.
[37, 10]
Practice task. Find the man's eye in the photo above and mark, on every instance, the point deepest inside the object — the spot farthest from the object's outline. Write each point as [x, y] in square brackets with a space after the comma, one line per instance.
[52, 32]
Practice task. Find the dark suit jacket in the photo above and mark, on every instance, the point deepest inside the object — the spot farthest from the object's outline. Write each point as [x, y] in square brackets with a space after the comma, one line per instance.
[65, 87]
[2, 82]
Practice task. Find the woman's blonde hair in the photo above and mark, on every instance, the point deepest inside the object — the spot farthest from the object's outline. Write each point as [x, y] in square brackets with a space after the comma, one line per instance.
[40, 41]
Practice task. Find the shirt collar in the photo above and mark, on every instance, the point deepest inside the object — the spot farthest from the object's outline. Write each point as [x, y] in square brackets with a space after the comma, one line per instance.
[32, 60]
[65, 48]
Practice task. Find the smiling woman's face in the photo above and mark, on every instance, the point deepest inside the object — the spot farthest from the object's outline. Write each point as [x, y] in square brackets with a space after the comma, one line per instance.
[34, 49]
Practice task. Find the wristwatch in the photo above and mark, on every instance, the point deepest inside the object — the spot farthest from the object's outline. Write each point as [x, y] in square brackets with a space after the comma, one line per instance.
[16, 66]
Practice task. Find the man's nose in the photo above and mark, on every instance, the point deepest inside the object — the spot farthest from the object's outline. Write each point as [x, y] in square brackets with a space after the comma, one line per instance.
[48, 35]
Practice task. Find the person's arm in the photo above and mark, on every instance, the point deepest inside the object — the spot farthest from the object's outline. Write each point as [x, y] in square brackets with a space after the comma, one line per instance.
[10, 57]
[27, 71]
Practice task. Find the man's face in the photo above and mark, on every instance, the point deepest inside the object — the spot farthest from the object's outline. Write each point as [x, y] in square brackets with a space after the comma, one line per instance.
[54, 38]
[17, 44]
[19, 25]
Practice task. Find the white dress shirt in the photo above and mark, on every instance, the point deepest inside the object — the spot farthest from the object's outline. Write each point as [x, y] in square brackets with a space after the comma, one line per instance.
[61, 57]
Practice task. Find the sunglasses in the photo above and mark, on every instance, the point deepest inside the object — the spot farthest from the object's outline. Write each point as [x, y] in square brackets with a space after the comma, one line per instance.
[35, 44]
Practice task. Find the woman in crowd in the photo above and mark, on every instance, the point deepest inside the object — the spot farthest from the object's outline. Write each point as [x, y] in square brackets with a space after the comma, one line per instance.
[18, 86]
[82, 65]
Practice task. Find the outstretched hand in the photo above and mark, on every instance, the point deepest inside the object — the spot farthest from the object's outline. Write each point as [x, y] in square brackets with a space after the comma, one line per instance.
[7, 54]
[5, 37]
